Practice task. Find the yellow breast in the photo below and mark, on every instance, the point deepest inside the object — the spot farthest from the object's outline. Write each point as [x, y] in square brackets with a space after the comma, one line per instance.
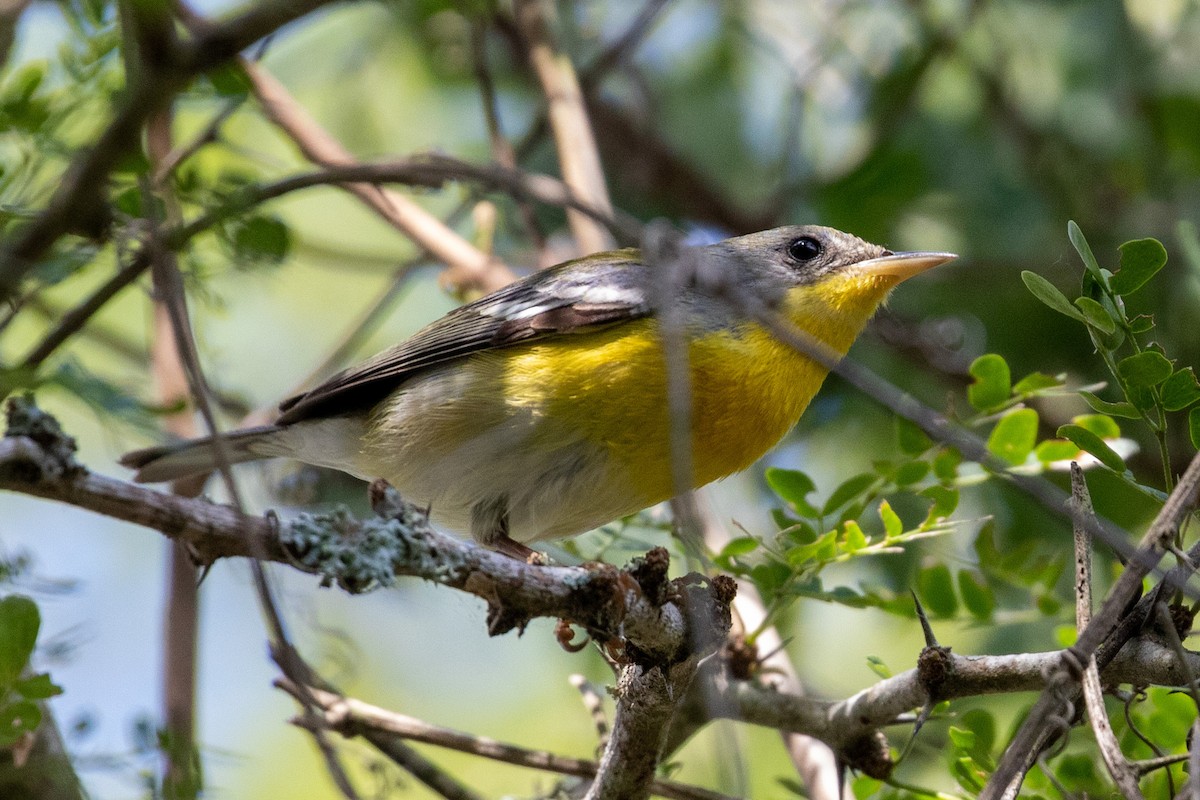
[748, 389]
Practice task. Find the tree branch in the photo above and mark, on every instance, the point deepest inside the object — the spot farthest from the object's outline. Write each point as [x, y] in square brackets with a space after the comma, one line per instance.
[573, 139]
[352, 717]
[78, 203]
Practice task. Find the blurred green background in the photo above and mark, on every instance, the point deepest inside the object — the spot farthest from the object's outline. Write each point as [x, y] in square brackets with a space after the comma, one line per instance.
[976, 127]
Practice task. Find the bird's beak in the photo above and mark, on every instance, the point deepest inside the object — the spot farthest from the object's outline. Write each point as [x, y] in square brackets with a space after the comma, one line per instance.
[903, 265]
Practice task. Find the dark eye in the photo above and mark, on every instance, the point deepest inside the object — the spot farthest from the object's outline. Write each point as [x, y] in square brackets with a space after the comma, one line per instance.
[806, 248]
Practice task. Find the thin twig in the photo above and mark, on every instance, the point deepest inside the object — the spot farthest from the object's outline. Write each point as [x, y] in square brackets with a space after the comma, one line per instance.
[814, 760]
[502, 149]
[1122, 772]
[170, 284]
[1192, 787]
[646, 700]
[1081, 510]
[77, 204]
[73, 320]
[214, 531]
[468, 265]
[350, 717]
[576, 146]
[181, 614]
[1034, 734]
[430, 171]
[594, 703]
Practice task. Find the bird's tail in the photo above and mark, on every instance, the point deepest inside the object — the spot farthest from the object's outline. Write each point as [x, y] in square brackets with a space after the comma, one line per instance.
[197, 456]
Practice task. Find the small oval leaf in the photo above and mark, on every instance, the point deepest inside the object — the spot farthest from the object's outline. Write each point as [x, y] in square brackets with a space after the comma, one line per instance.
[1045, 291]
[935, 586]
[1100, 424]
[1014, 436]
[1095, 314]
[1091, 443]
[1148, 368]
[1121, 409]
[1180, 390]
[892, 525]
[1141, 259]
[792, 486]
[847, 491]
[977, 596]
[1053, 450]
[993, 382]
[19, 624]
[1085, 252]
[912, 440]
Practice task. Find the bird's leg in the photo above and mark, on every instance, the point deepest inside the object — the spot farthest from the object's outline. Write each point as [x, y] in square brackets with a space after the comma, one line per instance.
[489, 527]
[514, 549]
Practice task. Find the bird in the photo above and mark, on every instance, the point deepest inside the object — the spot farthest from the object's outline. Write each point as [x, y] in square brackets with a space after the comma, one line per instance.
[541, 410]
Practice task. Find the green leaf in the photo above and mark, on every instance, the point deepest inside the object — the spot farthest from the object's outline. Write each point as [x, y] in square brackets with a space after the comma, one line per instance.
[1103, 426]
[1036, 382]
[17, 719]
[1121, 409]
[912, 440]
[993, 382]
[1085, 252]
[1141, 259]
[983, 725]
[877, 665]
[976, 594]
[823, 549]
[1142, 323]
[261, 239]
[847, 491]
[935, 586]
[1047, 603]
[740, 546]
[1052, 450]
[969, 776]
[800, 533]
[19, 624]
[1194, 427]
[25, 80]
[1066, 635]
[945, 500]
[961, 739]
[911, 472]
[37, 687]
[854, 538]
[892, 525]
[1180, 390]
[792, 486]
[1014, 436]
[945, 465]
[230, 80]
[1091, 443]
[1096, 315]
[1148, 368]
[1045, 291]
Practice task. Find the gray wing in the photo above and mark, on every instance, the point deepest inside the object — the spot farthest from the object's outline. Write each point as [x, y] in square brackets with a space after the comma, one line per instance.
[573, 297]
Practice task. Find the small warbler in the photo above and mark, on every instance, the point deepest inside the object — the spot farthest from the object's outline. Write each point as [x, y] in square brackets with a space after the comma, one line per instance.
[541, 410]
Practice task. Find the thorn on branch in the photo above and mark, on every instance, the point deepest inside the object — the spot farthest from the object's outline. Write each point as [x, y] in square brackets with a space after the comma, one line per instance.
[934, 666]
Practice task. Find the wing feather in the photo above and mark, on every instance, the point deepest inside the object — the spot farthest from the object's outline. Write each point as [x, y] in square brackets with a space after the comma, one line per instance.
[571, 298]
